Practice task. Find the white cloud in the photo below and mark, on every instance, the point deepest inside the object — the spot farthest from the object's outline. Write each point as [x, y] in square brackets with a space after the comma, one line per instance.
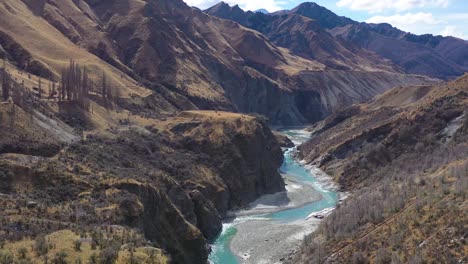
[453, 31]
[270, 5]
[404, 20]
[376, 6]
[422, 23]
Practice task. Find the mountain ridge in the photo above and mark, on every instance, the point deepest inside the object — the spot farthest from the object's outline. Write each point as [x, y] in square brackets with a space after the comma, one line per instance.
[436, 56]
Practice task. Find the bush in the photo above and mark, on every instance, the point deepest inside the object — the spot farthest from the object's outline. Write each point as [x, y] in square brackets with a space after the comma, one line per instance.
[77, 245]
[41, 246]
[6, 258]
[22, 252]
[109, 255]
[383, 256]
[359, 258]
[60, 258]
[6, 180]
[261, 118]
[93, 259]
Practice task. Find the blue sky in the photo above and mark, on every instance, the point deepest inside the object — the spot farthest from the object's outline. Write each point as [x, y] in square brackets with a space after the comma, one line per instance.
[438, 17]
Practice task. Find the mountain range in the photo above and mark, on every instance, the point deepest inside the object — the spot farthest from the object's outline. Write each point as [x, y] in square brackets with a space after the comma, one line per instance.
[314, 32]
[131, 128]
[188, 60]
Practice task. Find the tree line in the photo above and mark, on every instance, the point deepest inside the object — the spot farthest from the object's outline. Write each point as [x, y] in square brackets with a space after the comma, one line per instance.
[75, 86]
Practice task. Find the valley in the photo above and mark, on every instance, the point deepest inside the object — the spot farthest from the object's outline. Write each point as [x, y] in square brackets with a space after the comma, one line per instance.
[150, 131]
[273, 226]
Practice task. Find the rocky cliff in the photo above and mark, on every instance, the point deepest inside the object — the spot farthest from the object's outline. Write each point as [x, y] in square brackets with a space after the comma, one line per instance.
[172, 181]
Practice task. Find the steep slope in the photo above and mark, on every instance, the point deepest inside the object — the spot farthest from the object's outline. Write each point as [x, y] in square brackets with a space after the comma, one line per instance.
[305, 37]
[186, 59]
[404, 157]
[164, 184]
[420, 59]
[437, 56]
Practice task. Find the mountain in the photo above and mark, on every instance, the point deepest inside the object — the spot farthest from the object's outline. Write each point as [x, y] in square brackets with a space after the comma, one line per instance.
[437, 56]
[306, 38]
[342, 43]
[176, 55]
[263, 11]
[403, 156]
[123, 138]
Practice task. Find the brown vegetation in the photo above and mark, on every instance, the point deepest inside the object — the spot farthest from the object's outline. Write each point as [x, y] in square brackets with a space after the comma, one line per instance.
[407, 168]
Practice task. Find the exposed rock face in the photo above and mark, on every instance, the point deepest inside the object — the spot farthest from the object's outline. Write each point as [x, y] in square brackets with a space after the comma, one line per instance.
[283, 140]
[381, 129]
[244, 152]
[209, 222]
[164, 224]
[173, 180]
[188, 59]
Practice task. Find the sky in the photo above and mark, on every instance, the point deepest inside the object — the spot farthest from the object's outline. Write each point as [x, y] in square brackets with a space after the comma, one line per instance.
[438, 17]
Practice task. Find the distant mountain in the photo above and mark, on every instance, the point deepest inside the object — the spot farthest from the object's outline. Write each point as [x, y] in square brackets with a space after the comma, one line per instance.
[437, 56]
[261, 10]
[305, 37]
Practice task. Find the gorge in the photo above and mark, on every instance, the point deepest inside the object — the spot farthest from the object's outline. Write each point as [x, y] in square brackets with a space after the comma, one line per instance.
[150, 131]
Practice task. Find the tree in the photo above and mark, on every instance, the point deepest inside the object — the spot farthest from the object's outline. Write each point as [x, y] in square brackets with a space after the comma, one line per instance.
[75, 85]
[104, 85]
[39, 87]
[383, 256]
[359, 258]
[60, 258]
[6, 84]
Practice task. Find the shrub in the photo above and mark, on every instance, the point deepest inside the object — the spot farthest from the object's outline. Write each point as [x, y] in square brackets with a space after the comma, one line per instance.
[6, 258]
[77, 244]
[383, 256]
[109, 255]
[41, 246]
[6, 180]
[60, 258]
[359, 258]
[22, 252]
[93, 259]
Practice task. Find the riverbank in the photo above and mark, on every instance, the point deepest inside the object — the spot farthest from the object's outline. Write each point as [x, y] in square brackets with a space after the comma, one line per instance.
[267, 241]
[297, 194]
[274, 225]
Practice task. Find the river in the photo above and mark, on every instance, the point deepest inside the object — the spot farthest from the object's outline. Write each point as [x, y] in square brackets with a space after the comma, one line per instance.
[275, 225]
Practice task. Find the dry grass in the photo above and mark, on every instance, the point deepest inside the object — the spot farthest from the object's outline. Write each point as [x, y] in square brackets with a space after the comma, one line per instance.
[64, 241]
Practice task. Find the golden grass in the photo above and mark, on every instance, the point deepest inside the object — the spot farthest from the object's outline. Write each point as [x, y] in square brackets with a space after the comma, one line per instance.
[63, 241]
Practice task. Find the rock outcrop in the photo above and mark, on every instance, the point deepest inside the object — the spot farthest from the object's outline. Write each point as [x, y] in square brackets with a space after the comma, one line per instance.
[173, 181]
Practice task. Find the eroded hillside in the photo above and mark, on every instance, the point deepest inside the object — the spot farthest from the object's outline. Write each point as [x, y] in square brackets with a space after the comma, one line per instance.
[155, 185]
[403, 156]
[180, 58]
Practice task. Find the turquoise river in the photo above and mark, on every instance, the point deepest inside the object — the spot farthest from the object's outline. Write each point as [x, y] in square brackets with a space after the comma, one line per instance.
[221, 247]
